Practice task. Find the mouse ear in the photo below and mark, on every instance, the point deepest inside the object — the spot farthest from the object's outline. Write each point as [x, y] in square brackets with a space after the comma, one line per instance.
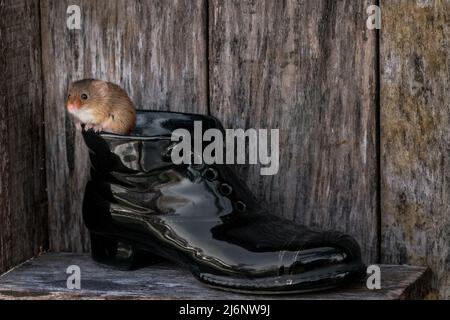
[101, 86]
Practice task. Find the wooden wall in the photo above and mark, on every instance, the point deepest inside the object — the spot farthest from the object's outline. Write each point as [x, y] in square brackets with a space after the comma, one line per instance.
[415, 120]
[23, 207]
[158, 51]
[310, 68]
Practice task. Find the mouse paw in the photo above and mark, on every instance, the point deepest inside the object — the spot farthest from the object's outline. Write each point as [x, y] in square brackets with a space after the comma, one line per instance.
[78, 126]
[88, 126]
[97, 129]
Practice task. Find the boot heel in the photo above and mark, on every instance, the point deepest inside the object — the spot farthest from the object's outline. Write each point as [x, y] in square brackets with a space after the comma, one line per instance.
[112, 252]
[119, 254]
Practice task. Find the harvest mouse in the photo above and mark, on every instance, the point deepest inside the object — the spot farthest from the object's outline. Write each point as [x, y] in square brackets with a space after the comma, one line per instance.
[101, 106]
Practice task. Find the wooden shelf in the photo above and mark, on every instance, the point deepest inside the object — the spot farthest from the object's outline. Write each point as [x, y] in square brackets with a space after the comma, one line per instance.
[45, 277]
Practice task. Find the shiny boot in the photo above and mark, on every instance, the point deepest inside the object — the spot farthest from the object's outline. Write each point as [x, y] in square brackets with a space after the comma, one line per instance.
[200, 216]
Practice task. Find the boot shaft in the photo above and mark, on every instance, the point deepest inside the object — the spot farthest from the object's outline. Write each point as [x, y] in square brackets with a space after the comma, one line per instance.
[134, 174]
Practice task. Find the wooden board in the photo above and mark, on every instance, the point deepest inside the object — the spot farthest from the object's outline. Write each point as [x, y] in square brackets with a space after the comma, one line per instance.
[308, 69]
[155, 49]
[415, 106]
[23, 207]
[45, 278]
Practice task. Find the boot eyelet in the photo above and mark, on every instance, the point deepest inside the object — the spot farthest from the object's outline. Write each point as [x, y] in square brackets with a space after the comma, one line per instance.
[225, 189]
[210, 174]
[240, 206]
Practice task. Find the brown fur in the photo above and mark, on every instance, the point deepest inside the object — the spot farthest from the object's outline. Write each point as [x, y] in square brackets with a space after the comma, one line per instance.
[112, 109]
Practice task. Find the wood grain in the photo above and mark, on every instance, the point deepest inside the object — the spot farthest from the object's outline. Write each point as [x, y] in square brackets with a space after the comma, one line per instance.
[23, 207]
[415, 106]
[305, 67]
[308, 69]
[45, 278]
[156, 50]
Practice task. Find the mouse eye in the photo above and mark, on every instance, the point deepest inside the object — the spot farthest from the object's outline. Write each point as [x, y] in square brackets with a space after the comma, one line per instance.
[84, 96]
[68, 97]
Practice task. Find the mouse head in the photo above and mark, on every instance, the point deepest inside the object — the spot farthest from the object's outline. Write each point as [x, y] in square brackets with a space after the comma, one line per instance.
[85, 94]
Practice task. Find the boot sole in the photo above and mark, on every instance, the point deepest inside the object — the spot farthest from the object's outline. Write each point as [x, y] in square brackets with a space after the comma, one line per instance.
[322, 279]
[312, 281]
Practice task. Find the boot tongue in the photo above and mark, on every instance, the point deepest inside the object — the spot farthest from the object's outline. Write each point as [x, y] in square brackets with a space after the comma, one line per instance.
[156, 123]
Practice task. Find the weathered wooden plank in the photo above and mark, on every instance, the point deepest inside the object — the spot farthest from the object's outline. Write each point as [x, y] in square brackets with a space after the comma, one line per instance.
[415, 123]
[155, 49]
[308, 69]
[23, 208]
[45, 278]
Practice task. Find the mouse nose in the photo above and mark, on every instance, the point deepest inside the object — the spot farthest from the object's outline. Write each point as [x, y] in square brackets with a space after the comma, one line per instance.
[72, 107]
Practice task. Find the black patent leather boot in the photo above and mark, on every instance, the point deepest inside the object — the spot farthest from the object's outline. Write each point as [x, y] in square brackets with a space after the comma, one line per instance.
[200, 216]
